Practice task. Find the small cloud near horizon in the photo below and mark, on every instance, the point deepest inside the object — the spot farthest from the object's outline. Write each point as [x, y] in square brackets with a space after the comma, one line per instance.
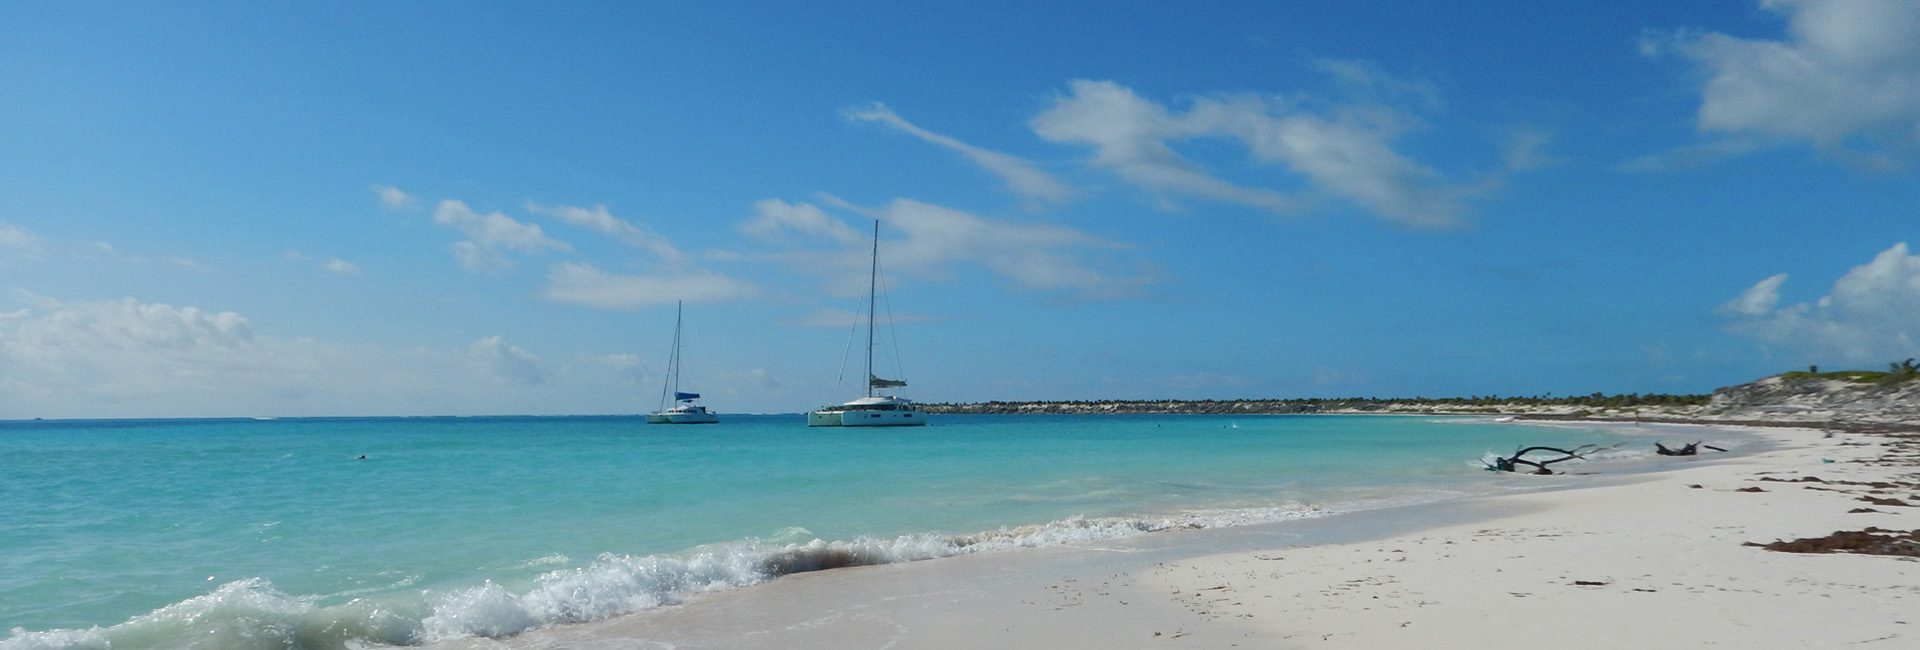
[1871, 314]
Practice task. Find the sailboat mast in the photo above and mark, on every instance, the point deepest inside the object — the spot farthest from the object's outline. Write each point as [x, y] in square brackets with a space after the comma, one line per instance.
[671, 386]
[873, 278]
[677, 311]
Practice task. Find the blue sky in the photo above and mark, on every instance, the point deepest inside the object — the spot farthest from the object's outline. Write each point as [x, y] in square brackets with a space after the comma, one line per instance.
[285, 209]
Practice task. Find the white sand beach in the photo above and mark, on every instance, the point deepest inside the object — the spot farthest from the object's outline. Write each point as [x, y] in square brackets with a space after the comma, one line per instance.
[1649, 560]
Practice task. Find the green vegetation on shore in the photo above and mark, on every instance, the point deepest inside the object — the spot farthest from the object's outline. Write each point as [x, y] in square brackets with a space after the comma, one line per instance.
[1767, 398]
[1474, 404]
[1896, 373]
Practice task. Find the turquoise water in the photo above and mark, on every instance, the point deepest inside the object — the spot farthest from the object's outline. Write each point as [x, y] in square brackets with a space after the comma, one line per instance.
[227, 534]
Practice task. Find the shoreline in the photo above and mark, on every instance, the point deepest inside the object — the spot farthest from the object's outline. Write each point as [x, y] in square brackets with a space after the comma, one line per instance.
[1645, 551]
[1843, 409]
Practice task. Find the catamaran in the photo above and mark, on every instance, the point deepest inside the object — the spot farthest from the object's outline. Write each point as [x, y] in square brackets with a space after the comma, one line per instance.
[683, 411]
[874, 410]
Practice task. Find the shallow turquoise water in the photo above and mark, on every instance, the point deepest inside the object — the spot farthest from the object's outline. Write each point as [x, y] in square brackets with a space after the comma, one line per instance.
[277, 534]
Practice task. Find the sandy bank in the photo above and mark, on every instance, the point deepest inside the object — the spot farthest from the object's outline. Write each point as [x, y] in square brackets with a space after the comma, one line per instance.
[1658, 563]
[1648, 560]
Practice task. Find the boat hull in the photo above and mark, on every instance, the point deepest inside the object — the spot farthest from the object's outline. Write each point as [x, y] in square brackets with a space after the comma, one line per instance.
[683, 418]
[903, 418]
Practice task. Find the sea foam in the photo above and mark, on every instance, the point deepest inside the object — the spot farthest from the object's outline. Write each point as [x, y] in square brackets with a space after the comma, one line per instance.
[252, 615]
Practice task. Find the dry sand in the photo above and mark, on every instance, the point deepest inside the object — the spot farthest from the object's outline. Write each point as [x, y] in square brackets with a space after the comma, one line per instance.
[1627, 561]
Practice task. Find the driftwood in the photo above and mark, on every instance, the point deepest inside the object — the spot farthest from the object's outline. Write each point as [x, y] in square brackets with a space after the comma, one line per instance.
[1872, 541]
[1513, 463]
[1691, 449]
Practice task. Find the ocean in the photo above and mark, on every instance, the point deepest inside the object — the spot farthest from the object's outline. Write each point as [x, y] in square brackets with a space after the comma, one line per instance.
[350, 532]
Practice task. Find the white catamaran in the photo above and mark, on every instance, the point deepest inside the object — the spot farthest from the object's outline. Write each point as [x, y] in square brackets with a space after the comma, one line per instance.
[874, 410]
[684, 411]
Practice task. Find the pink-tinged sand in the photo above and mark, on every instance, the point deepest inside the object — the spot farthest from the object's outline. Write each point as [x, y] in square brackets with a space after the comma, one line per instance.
[1667, 558]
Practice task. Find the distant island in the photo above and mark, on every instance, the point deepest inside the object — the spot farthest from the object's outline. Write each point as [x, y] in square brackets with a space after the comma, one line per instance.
[1854, 400]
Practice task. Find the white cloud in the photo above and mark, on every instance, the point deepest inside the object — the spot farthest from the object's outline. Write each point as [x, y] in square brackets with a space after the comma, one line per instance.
[17, 243]
[1130, 135]
[340, 266]
[1037, 256]
[333, 265]
[1759, 298]
[392, 198]
[1022, 177]
[1339, 150]
[128, 358]
[489, 235]
[130, 324]
[1872, 313]
[773, 219]
[110, 351]
[1523, 150]
[1845, 80]
[583, 284]
[507, 362]
[599, 220]
[936, 239]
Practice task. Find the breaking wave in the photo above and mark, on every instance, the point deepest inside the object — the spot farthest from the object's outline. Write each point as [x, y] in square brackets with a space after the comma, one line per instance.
[252, 615]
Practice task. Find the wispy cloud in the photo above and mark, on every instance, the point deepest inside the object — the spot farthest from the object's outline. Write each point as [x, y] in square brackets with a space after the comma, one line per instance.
[598, 219]
[339, 266]
[1130, 136]
[1022, 176]
[583, 284]
[1342, 150]
[1846, 80]
[774, 219]
[19, 244]
[490, 235]
[332, 265]
[1872, 314]
[392, 198]
[1036, 256]
[937, 240]
[107, 251]
[673, 279]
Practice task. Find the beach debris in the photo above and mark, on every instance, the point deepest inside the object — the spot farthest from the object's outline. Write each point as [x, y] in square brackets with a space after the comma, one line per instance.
[1872, 541]
[1691, 449]
[1512, 463]
[1881, 501]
